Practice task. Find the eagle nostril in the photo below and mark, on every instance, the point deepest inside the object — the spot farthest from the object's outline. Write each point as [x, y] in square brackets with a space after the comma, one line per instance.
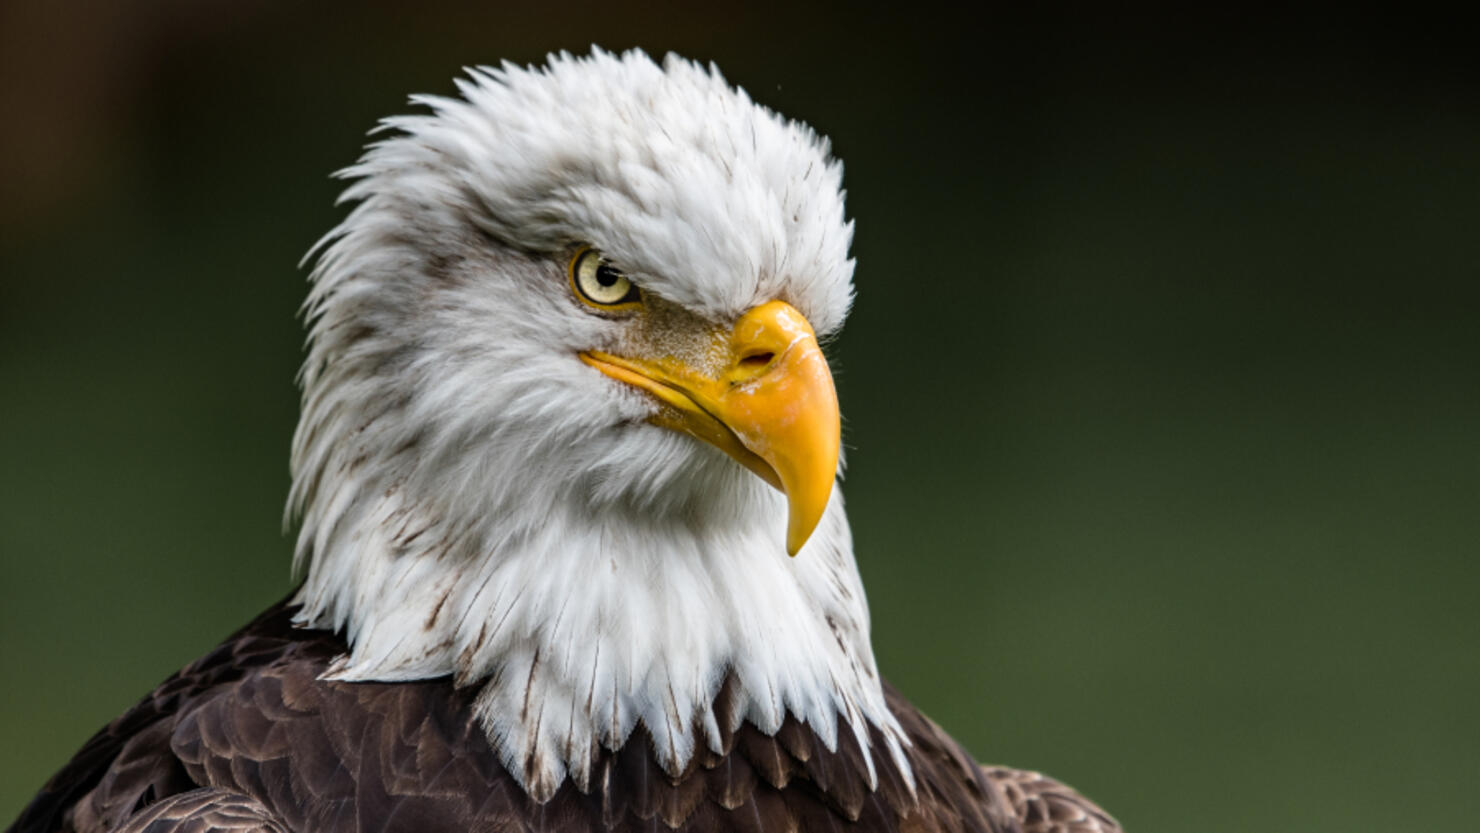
[756, 361]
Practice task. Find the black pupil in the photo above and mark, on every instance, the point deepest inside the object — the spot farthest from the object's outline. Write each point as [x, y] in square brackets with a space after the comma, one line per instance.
[607, 276]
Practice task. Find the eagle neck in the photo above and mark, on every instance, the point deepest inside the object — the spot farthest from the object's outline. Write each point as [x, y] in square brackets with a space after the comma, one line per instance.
[578, 628]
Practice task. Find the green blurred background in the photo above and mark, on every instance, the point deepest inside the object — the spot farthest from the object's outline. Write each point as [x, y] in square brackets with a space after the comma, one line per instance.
[1161, 389]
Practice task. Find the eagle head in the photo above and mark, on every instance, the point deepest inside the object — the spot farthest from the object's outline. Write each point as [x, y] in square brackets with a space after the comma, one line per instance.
[566, 418]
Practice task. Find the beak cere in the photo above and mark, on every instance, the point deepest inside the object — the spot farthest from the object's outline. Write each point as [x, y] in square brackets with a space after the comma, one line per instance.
[771, 406]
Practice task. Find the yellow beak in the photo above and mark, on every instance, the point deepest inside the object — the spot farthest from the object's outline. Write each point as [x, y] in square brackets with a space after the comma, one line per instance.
[770, 404]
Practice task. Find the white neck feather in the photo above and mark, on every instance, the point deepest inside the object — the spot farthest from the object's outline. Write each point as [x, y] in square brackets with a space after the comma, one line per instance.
[580, 628]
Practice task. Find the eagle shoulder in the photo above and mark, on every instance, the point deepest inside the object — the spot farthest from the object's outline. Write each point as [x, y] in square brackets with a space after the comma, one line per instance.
[1044, 805]
[1015, 799]
[127, 764]
[251, 734]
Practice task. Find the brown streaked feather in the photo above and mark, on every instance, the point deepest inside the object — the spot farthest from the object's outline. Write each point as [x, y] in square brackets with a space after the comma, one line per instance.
[205, 810]
[253, 722]
[1044, 805]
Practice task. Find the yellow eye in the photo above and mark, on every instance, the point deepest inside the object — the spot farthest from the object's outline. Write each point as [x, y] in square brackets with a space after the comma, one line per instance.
[599, 283]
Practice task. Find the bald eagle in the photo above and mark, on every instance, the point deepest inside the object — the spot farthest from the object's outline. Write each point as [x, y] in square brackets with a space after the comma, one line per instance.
[573, 557]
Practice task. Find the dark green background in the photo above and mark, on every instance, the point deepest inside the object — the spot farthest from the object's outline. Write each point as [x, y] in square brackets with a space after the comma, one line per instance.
[1161, 393]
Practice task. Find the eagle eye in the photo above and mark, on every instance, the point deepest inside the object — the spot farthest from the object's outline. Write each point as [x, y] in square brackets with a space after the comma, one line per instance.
[599, 284]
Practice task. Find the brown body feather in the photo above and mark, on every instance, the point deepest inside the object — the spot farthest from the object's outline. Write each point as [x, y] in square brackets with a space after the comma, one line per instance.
[248, 738]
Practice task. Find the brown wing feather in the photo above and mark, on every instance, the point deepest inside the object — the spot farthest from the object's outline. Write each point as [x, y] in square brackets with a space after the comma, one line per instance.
[1044, 805]
[205, 810]
[129, 752]
[949, 778]
[253, 719]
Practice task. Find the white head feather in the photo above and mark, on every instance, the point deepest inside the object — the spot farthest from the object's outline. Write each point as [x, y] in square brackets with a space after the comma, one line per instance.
[476, 501]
